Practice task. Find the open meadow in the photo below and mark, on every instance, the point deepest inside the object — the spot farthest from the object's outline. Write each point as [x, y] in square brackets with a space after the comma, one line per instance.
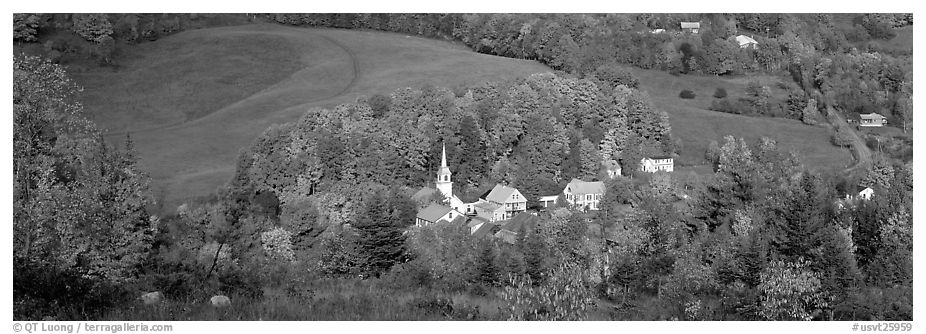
[192, 100]
[697, 126]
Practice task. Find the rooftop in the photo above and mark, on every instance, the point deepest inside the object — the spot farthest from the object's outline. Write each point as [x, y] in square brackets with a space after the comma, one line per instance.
[577, 186]
[500, 193]
[433, 212]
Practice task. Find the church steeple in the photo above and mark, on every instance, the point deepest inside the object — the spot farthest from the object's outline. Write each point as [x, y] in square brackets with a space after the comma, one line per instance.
[443, 175]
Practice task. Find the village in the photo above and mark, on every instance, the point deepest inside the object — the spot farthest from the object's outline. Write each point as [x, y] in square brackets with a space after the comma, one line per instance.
[502, 212]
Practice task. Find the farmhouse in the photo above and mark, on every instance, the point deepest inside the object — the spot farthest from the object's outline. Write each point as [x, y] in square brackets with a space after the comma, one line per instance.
[872, 120]
[746, 42]
[584, 195]
[507, 197]
[658, 163]
[691, 27]
[434, 213]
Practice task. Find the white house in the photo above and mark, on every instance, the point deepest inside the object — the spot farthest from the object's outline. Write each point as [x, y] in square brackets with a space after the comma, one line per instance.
[872, 120]
[490, 212]
[585, 195]
[866, 193]
[658, 31]
[691, 27]
[509, 198]
[434, 213]
[655, 164]
[746, 42]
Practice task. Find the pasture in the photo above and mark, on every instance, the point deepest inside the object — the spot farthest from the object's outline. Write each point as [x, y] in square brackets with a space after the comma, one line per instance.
[191, 100]
[697, 126]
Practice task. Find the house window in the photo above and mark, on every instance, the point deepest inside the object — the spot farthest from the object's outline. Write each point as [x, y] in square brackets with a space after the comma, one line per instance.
[588, 197]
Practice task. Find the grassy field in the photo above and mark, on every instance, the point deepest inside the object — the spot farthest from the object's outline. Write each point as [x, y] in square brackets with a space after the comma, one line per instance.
[697, 126]
[193, 99]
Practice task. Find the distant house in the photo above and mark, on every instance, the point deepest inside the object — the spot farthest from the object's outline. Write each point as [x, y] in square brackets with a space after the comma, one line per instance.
[612, 167]
[866, 193]
[658, 31]
[509, 198]
[583, 194]
[658, 163]
[872, 120]
[489, 211]
[691, 27]
[509, 231]
[746, 42]
[548, 201]
[434, 213]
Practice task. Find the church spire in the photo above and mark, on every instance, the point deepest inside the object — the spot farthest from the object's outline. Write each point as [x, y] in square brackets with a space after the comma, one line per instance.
[443, 175]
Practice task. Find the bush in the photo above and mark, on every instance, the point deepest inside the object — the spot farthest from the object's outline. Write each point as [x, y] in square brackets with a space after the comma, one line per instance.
[686, 94]
[42, 291]
[842, 136]
[720, 93]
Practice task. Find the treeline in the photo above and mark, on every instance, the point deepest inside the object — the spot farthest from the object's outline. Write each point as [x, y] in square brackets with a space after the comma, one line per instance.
[65, 37]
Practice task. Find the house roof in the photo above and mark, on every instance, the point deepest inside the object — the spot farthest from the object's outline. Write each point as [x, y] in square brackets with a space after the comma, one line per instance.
[500, 193]
[549, 198]
[743, 39]
[871, 115]
[488, 206]
[582, 187]
[507, 236]
[433, 212]
[523, 219]
[690, 25]
[659, 157]
[485, 229]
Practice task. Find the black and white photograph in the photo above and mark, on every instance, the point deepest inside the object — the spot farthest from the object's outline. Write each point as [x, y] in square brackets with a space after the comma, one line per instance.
[657, 167]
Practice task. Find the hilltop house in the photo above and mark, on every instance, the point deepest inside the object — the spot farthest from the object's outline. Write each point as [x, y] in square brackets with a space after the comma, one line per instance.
[691, 27]
[507, 197]
[658, 163]
[434, 213]
[584, 195]
[872, 120]
[746, 42]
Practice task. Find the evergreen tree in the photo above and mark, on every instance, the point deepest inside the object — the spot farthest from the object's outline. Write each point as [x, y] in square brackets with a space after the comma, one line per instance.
[380, 225]
[486, 270]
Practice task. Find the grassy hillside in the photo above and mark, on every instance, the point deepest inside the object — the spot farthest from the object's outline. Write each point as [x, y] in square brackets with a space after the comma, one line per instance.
[191, 100]
[697, 126]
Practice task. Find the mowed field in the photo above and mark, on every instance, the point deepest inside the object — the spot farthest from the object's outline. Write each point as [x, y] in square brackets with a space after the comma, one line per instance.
[192, 100]
[697, 126]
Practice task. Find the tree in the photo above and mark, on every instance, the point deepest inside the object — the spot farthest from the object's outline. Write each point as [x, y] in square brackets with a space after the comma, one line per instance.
[25, 27]
[810, 115]
[878, 175]
[92, 27]
[591, 162]
[487, 271]
[78, 202]
[842, 136]
[380, 225]
[790, 292]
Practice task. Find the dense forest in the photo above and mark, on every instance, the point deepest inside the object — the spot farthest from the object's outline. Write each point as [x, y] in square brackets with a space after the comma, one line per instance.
[317, 222]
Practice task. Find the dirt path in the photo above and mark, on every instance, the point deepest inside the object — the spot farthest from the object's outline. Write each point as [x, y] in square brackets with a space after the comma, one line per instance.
[860, 150]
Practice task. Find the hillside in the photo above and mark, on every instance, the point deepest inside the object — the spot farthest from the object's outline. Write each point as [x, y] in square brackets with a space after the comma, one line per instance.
[697, 126]
[191, 100]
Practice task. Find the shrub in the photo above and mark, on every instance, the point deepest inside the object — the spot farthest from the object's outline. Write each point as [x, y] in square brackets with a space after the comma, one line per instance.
[686, 94]
[92, 27]
[842, 136]
[720, 93]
